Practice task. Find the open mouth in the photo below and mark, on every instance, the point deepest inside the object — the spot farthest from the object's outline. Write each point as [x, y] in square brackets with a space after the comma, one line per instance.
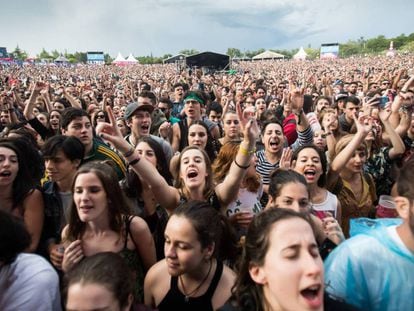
[310, 173]
[312, 295]
[192, 174]
[273, 143]
[5, 173]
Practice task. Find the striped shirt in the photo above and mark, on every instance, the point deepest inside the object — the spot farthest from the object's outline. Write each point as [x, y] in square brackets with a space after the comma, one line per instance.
[265, 168]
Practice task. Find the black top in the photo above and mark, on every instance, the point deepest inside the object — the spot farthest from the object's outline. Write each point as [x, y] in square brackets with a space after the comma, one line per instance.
[176, 300]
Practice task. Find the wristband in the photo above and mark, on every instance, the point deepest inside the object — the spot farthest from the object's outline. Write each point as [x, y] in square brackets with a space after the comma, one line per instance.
[242, 167]
[129, 152]
[135, 161]
[246, 152]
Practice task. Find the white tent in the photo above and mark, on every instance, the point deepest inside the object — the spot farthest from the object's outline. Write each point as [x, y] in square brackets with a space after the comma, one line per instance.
[301, 54]
[268, 55]
[119, 60]
[131, 59]
[61, 59]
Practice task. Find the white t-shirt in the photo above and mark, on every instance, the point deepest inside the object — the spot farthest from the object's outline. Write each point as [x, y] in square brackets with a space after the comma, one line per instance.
[29, 283]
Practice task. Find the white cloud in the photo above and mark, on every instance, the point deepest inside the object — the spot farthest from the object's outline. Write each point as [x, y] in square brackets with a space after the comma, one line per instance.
[167, 26]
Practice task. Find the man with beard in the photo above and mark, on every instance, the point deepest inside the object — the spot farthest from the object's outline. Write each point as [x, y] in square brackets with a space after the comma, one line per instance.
[375, 270]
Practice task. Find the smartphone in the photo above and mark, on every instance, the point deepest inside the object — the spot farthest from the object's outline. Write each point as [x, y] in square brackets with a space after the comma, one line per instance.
[383, 100]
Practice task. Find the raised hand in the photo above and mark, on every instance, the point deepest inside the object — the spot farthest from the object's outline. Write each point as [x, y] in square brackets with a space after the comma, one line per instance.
[286, 158]
[296, 99]
[251, 131]
[110, 132]
[363, 124]
[384, 114]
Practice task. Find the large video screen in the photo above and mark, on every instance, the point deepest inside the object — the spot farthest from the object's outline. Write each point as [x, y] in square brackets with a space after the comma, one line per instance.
[95, 57]
[3, 52]
[329, 50]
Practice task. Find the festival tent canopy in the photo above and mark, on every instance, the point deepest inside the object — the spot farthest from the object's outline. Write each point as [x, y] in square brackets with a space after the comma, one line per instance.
[210, 60]
[268, 55]
[301, 54]
[131, 59]
[61, 59]
[119, 60]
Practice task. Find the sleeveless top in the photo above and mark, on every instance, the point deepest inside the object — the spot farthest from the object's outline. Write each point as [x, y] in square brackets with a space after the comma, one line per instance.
[330, 204]
[134, 262]
[176, 300]
[212, 199]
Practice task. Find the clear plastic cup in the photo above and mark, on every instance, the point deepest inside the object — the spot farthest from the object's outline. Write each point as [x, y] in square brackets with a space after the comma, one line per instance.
[386, 207]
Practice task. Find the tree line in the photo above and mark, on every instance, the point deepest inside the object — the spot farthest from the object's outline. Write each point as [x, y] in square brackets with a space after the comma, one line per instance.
[361, 46]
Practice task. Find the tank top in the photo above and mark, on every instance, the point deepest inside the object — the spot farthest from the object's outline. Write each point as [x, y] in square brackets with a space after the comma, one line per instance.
[176, 300]
[134, 262]
[330, 204]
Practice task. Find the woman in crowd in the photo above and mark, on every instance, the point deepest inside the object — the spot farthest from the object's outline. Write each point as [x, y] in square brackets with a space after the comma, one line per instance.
[380, 157]
[247, 202]
[99, 221]
[100, 282]
[279, 273]
[346, 178]
[121, 123]
[19, 175]
[199, 135]
[193, 172]
[231, 127]
[198, 280]
[311, 162]
[289, 189]
[146, 203]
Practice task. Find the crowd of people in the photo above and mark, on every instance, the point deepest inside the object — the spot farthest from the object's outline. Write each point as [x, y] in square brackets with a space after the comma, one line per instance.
[154, 187]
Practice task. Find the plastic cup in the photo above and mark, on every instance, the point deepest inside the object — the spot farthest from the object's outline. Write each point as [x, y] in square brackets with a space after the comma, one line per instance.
[386, 207]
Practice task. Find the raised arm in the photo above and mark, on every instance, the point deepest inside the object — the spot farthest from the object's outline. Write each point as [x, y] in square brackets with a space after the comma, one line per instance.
[73, 102]
[28, 109]
[228, 189]
[110, 132]
[397, 145]
[364, 125]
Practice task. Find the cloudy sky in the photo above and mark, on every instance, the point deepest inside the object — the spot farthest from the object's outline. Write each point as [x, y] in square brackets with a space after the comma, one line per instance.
[159, 27]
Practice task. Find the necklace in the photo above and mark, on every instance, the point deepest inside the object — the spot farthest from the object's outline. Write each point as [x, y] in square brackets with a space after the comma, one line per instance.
[188, 295]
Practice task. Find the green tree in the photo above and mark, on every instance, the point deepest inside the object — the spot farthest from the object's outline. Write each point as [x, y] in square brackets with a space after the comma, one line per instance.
[108, 59]
[54, 54]
[312, 53]
[44, 55]
[349, 48]
[408, 47]
[378, 44]
[188, 52]
[233, 52]
[19, 54]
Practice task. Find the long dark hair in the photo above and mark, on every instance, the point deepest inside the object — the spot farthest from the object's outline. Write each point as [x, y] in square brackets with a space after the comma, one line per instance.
[30, 169]
[209, 149]
[133, 185]
[322, 157]
[211, 226]
[117, 203]
[246, 293]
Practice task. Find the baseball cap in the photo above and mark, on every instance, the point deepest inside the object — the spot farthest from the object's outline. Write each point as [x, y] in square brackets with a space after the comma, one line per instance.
[132, 107]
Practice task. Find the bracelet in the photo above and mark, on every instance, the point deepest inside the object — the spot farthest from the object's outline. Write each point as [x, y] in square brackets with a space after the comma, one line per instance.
[240, 166]
[246, 152]
[129, 152]
[135, 161]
